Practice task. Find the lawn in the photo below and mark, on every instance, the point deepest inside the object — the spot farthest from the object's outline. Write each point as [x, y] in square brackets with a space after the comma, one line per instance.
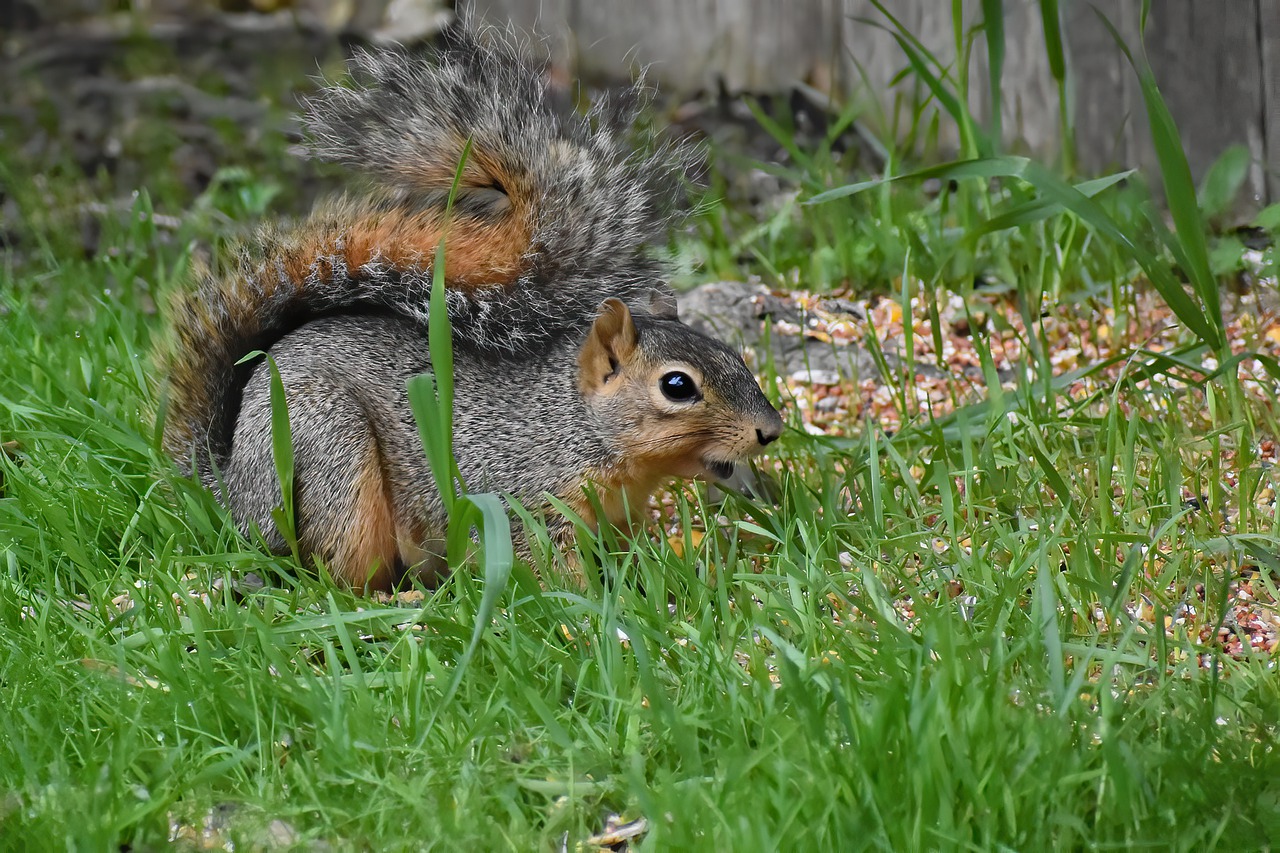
[1016, 586]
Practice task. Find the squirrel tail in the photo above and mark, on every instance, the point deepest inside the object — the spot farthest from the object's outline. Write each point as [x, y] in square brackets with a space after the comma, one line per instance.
[559, 207]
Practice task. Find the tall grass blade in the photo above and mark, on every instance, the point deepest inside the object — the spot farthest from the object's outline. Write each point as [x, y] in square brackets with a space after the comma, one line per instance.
[285, 517]
[993, 27]
[424, 401]
[1044, 604]
[1051, 22]
[490, 515]
[432, 398]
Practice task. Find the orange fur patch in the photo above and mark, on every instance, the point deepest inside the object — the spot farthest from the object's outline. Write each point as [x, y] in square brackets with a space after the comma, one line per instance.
[621, 491]
[477, 252]
[365, 552]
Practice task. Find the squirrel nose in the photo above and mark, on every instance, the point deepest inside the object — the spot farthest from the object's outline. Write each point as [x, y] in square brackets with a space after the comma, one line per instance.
[769, 426]
[769, 436]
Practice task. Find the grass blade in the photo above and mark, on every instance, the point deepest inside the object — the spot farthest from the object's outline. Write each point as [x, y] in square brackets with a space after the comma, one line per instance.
[282, 455]
[428, 412]
[972, 140]
[431, 396]
[1222, 183]
[1042, 208]
[490, 515]
[1051, 21]
[993, 26]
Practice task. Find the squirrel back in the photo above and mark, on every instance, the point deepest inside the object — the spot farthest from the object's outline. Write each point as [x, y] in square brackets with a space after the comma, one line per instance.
[555, 211]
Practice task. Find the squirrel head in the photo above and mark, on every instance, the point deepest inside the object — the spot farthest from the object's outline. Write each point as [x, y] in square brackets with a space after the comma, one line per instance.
[676, 402]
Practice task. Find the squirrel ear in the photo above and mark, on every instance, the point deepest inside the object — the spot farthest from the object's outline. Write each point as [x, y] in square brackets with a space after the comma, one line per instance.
[611, 342]
[662, 303]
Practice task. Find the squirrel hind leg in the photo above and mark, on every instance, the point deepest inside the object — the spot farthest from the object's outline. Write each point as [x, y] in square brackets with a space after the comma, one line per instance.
[343, 510]
[368, 540]
[362, 552]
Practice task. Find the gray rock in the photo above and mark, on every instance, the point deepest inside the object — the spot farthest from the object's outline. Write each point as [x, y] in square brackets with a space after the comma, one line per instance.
[744, 314]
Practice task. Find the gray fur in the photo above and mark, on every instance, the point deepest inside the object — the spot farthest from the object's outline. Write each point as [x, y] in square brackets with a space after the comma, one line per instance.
[345, 381]
[524, 430]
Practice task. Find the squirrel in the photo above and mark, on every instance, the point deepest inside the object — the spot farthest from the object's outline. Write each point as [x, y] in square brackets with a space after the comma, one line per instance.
[573, 375]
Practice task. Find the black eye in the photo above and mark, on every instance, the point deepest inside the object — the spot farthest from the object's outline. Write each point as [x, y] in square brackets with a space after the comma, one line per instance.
[679, 387]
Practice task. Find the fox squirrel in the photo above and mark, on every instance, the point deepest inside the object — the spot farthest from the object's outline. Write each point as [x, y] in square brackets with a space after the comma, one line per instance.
[571, 366]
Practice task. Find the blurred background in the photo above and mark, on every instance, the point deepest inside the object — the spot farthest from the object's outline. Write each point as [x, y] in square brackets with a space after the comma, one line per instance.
[176, 95]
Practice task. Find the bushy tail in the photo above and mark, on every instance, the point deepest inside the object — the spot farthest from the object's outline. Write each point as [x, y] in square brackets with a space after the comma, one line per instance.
[556, 211]
[572, 202]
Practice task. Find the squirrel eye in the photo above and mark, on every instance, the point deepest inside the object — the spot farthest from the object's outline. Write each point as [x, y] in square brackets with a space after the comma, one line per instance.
[679, 387]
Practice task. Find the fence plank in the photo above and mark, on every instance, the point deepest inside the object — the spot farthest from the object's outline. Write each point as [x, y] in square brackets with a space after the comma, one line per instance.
[1106, 103]
[1218, 64]
[549, 20]
[742, 45]
[746, 45]
[1269, 29]
[1207, 58]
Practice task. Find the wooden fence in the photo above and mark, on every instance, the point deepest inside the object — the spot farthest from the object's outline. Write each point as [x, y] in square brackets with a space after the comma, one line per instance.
[1217, 62]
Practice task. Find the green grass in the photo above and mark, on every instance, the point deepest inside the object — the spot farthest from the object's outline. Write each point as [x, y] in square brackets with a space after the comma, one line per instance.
[935, 640]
